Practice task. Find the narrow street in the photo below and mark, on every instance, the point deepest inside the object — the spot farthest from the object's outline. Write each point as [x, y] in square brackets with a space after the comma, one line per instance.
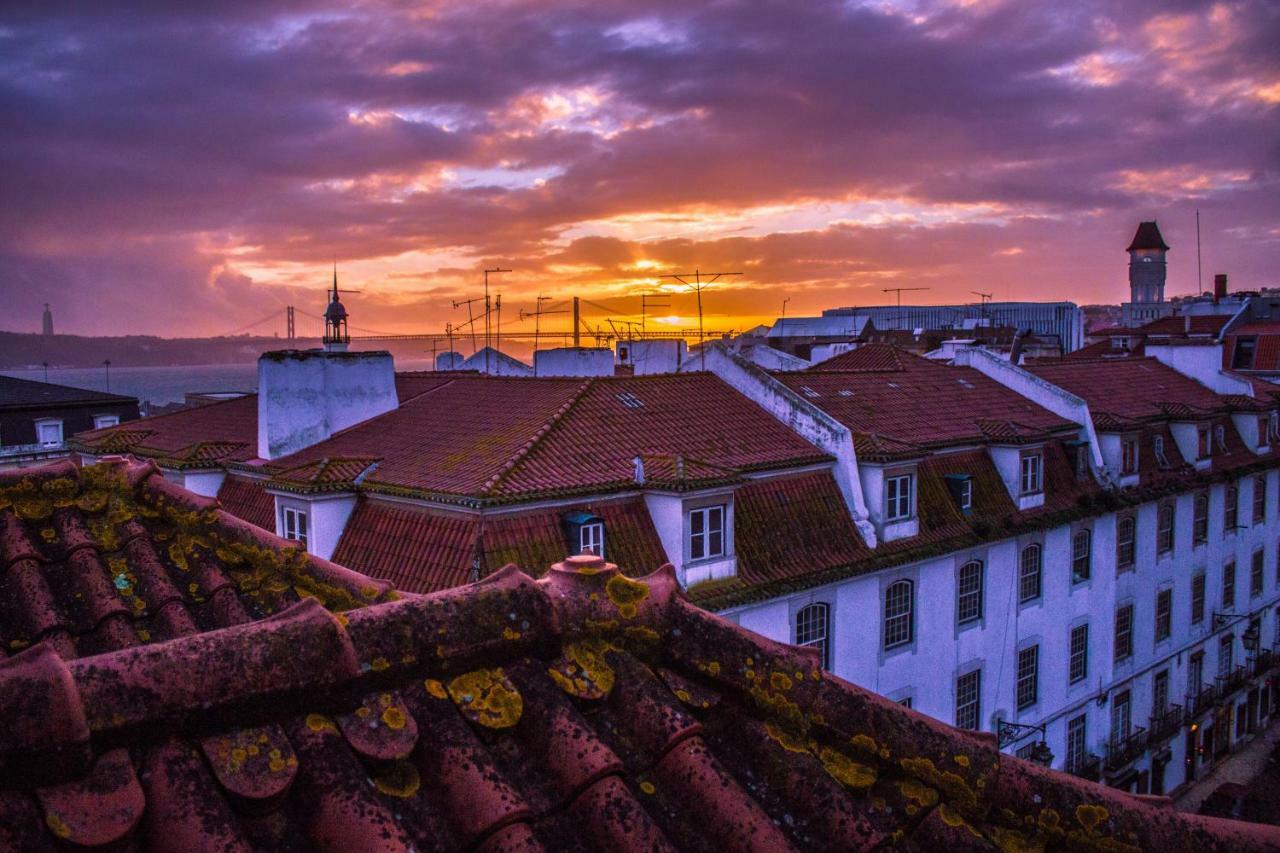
[1250, 766]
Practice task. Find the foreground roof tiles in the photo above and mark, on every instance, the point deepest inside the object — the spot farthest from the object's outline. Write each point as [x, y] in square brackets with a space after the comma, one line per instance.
[113, 555]
[1136, 388]
[583, 711]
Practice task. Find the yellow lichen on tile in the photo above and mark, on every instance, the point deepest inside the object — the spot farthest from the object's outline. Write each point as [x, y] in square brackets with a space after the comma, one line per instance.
[488, 698]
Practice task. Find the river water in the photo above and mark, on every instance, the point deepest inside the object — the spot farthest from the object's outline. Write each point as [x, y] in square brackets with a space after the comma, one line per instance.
[165, 384]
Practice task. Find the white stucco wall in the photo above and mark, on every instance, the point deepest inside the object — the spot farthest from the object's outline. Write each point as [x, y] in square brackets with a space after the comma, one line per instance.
[306, 396]
[573, 361]
[653, 356]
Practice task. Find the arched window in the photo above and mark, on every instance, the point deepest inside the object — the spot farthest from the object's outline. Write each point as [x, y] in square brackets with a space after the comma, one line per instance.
[898, 607]
[1081, 555]
[969, 592]
[1125, 528]
[813, 628]
[1029, 573]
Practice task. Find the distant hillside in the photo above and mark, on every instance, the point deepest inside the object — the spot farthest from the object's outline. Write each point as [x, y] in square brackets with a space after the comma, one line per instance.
[26, 350]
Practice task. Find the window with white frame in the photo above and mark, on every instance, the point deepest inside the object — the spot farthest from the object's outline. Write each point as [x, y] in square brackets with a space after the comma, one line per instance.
[1129, 456]
[1078, 665]
[1028, 687]
[899, 606]
[1075, 743]
[1200, 518]
[1230, 508]
[294, 524]
[1197, 598]
[965, 493]
[1256, 569]
[898, 497]
[1229, 585]
[1126, 533]
[1259, 498]
[104, 421]
[49, 432]
[1160, 693]
[969, 592]
[1081, 555]
[1032, 473]
[1220, 437]
[1124, 632]
[969, 700]
[1029, 573]
[1226, 655]
[591, 538]
[1264, 430]
[813, 628]
[706, 532]
[1203, 447]
[1121, 716]
[1157, 445]
[1164, 528]
[1164, 614]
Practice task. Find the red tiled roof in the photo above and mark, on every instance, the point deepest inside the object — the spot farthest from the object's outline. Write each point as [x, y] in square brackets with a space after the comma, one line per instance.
[1128, 388]
[870, 357]
[919, 402]
[1201, 324]
[222, 431]
[323, 474]
[225, 431]
[583, 711]
[426, 550]
[247, 499]
[113, 555]
[788, 527]
[1266, 353]
[504, 439]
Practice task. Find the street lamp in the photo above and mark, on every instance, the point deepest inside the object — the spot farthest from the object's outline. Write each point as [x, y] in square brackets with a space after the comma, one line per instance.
[1007, 733]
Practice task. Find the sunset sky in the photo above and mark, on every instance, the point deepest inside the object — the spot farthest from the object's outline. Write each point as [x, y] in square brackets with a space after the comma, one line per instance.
[191, 167]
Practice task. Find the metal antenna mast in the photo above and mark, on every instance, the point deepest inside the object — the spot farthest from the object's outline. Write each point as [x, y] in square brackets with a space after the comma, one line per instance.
[1199, 278]
[697, 285]
[487, 338]
[536, 314]
[898, 290]
[984, 299]
[647, 301]
[471, 320]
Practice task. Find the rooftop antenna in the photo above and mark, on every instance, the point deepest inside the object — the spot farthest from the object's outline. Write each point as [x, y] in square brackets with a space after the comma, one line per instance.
[898, 290]
[487, 310]
[647, 301]
[697, 284]
[536, 314]
[784, 308]
[1199, 279]
[984, 299]
[471, 320]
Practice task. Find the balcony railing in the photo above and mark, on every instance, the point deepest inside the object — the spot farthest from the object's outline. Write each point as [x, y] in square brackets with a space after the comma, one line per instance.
[1202, 700]
[1231, 682]
[1088, 767]
[1166, 725]
[1124, 751]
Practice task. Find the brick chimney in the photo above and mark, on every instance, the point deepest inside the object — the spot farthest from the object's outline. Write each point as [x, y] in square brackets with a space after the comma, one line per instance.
[1219, 286]
[305, 396]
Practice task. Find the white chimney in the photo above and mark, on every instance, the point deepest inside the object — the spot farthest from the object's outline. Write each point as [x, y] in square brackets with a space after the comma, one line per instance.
[305, 396]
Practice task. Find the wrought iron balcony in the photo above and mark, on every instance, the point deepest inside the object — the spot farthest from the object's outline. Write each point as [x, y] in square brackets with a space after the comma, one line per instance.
[1124, 751]
[1167, 724]
[1202, 700]
[1231, 682]
[1088, 767]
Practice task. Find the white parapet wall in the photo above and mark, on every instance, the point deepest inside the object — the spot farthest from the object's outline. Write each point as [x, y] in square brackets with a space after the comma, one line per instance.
[646, 357]
[305, 396]
[573, 361]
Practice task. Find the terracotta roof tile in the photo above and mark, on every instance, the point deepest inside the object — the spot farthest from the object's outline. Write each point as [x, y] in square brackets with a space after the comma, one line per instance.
[114, 555]
[583, 711]
[1128, 388]
[875, 358]
[426, 550]
[247, 499]
[918, 401]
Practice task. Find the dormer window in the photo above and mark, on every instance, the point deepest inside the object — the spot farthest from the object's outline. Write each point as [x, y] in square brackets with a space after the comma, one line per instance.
[706, 532]
[49, 432]
[961, 488]
[1220, 438]
[293, 524]
[898, 497]
[1032, 473]
[1157, 445]
[1128, 456]
[104, 421]
[1204, 448]
[1082, 460]
[1264, 431]
[585, 533]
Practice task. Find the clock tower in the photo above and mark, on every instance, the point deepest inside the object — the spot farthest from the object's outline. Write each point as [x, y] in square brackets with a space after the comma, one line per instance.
[1147, 269]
